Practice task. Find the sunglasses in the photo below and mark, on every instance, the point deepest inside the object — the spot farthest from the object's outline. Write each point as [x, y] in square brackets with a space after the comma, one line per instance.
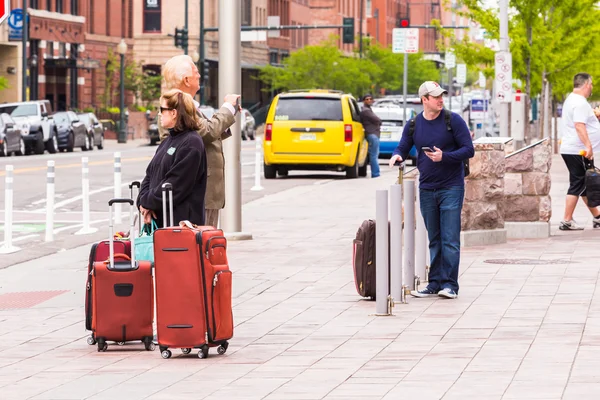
[163, 109]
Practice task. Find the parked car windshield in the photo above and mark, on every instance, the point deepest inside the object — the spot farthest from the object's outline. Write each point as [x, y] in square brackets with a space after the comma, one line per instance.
[308, 109]
[20, 110]
[85, 118]
[61, 118]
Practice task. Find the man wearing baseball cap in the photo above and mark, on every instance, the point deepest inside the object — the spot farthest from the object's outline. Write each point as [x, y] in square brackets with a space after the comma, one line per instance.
[443, 142]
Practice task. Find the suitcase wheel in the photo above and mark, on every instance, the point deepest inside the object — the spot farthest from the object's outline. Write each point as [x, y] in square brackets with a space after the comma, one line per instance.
[121, 343]
[203, 353]
[166, 354]
[186, 351]
[90, 340]
[150, 346]
[102, 345]
[222, 349]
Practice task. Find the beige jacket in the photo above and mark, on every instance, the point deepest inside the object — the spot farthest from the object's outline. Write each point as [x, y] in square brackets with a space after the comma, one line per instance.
[213, 132]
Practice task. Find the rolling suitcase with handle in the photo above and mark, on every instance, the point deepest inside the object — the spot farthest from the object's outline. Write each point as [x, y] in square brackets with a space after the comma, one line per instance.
[193, 286]
[122, 295]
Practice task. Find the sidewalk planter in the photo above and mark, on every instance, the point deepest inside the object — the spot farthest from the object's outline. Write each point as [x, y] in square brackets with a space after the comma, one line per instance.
[484, 206]
[527, 203]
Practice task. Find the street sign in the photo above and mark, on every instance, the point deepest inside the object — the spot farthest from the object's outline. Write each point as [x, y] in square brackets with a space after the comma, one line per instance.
[503, 79]
[15, 25]
[450, 60]
[461, 74]
[478, 109]
[4, 9]
[273, 20]
[482, 80]
[405, 40]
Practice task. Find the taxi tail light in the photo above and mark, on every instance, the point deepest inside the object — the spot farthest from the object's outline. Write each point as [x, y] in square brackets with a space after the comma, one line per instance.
[268, 132]
[348, 133]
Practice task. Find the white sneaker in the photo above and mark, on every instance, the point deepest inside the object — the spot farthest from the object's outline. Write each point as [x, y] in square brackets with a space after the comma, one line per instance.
[570, 226]
[447, 293]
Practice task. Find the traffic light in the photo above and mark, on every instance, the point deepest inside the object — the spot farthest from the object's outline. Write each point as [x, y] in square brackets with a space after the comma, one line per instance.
[205, 71]
[184, 39]
[178, 37]
[348, 30]
[403, 22]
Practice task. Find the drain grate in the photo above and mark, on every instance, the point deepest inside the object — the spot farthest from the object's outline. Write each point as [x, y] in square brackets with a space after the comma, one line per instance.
[11, 301]
[528, 261]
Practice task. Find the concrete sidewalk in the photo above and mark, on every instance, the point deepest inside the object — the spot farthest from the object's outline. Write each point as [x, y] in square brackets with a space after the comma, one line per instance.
[526, 324]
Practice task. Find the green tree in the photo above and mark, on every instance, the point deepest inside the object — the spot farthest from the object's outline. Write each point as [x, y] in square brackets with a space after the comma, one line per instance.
[110, 68]
[3, 83]
[134, 77]
[150, 88]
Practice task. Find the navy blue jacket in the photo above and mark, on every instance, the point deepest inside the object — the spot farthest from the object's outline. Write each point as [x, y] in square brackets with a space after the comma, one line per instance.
[456, 146]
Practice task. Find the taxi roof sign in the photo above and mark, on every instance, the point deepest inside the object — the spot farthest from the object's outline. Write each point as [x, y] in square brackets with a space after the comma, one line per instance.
[4, 10]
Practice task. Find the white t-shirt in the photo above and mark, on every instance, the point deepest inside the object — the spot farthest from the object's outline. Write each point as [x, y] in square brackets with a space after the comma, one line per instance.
[577, 109]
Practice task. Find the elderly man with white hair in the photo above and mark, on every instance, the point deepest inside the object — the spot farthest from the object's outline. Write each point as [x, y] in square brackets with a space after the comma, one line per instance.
[181, 73]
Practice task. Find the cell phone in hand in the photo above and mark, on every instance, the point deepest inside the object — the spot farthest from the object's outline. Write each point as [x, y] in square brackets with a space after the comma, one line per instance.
[427, 149]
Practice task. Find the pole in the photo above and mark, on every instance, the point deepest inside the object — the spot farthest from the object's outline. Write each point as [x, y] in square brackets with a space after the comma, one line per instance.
[230, 74]
[376, 15]
[396, 242]
[360, 27]
[405, 84]
[420, 243]
[462, 89]
[450, 89]
[503, 107]
[50, 202]
[381, 252]
[409, 233]
[117, 191]
[185, 49]
[24, 44]
[8, 208]
[85, 198]
[203, 77]
[122, 132]
[257, 166]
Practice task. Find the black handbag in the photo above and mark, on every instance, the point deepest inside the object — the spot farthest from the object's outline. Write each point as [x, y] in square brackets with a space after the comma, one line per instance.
[592, 185]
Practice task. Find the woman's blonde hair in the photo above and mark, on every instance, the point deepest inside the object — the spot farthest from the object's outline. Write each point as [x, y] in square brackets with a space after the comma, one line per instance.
[187, 115]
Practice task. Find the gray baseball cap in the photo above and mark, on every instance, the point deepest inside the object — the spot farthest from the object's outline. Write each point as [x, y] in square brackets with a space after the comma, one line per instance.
[432, 88]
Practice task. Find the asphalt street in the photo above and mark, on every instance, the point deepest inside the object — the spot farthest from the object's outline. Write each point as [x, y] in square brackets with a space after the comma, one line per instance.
[29, 198]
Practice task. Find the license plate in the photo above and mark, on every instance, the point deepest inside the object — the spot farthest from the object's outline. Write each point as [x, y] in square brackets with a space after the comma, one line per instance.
[308, 136]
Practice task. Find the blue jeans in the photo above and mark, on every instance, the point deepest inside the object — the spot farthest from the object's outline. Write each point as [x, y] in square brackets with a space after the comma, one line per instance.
[373, 141]
[441, 209]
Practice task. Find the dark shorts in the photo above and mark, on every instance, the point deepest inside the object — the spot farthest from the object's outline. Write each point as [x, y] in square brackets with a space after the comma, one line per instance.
[576, 165]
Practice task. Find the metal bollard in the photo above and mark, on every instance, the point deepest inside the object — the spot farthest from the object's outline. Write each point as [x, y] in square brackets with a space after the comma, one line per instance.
[257, 166]
[50, 202]
[420, 241]
[117, 195]
[8, 247]
[396, 242]
[85, 199]
[381, 253]
[409, 233]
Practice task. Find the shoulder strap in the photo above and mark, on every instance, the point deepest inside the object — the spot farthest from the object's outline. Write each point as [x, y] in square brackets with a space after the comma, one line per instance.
[447, 117]
[411, 128]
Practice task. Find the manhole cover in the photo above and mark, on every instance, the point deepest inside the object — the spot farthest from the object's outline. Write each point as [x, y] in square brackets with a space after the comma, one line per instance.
[525, 261]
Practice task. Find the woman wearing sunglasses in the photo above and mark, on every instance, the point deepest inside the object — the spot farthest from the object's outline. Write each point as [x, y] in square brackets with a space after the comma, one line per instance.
[180, 160]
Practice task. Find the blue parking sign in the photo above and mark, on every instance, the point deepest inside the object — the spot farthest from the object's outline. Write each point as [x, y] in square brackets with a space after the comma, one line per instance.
[15, 24]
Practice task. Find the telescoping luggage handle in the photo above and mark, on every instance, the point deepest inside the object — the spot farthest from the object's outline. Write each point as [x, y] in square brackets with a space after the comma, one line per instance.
[137, 215]
[111, 231]
[167, 187]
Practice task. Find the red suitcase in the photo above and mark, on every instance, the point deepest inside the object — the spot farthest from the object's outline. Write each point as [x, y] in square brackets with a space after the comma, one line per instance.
[122, 295]
[193, 287]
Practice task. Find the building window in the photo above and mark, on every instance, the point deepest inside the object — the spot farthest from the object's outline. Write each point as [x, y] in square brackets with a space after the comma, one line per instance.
[33, 4]
[49, 5]
[59, 6]
[74, 7]
[273, 57]
[152, 16]
[246, 12]
[50, 49]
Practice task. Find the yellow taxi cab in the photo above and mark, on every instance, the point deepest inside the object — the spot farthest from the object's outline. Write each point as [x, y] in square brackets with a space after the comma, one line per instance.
[314, 130]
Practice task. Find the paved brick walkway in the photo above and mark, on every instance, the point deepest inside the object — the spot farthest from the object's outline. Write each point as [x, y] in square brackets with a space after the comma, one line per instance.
[517, 331]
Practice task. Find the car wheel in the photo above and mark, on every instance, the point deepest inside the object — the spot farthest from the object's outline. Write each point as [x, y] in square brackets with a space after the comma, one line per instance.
[252, 135]
[22, 149]
[352, 172]
[91, 142]
[270, 171]
[101, 144]
[39, 143]
[70, 142]
[4, 149]
[152, 142]
[362, 171]
[52, 144]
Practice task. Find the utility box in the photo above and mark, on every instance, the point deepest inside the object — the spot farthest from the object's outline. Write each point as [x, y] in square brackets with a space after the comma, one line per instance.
[517, 116]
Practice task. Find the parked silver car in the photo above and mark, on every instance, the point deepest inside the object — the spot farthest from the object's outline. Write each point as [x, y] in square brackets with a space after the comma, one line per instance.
[94, 128]
[71, 131]
[11, 138]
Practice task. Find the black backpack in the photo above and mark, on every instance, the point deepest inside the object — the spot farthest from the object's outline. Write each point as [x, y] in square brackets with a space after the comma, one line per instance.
[447, 116]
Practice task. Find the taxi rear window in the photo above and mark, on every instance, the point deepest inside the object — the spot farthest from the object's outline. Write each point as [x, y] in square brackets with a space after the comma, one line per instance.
[308, 109]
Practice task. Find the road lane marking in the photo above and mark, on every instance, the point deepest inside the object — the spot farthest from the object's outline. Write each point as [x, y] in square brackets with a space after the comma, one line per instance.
[77, 165]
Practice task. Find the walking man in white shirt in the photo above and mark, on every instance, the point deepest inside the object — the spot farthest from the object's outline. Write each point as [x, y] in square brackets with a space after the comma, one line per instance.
[581, 132]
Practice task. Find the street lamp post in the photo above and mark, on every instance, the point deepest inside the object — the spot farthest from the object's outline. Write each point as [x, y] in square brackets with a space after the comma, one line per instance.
[195, 58]
[122, 49]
